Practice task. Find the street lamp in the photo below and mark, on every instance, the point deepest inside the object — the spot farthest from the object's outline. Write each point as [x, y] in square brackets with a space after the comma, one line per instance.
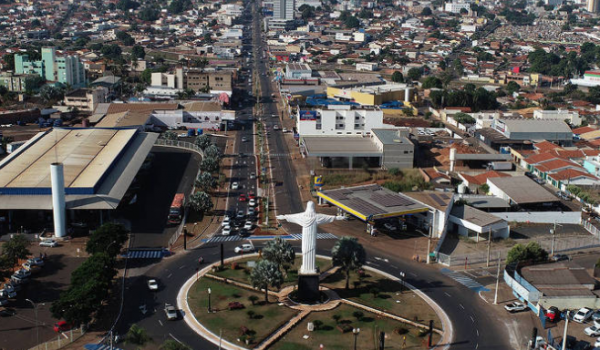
[402, 279]
[37, 329]
[209, 292]
[355, 331]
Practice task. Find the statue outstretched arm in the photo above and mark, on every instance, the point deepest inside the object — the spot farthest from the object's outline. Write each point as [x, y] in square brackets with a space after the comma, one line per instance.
[293, 218]
[326, 219]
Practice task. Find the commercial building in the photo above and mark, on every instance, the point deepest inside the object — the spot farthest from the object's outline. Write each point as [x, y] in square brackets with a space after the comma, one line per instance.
[591, 77]
[86, 100]
[283, 9]
[216, 82]
[455, 7]
[99, 165]
[534, 129]
[370, 95]
[62, 69]
[520, 190]
[572, 117]
[593, 6]
[338, 120]
[298, 71]
[17, 82]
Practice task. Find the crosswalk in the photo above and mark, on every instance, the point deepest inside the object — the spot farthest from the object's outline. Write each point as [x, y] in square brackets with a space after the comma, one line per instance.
[464, 280]
[326, 235]
[145, 254]
[219, 239]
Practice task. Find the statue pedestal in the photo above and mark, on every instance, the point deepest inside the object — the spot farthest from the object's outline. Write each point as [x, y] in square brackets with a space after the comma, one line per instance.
[308, 288]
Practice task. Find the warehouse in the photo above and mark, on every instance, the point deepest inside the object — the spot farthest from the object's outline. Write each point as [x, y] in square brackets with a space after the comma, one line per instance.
[534, 129]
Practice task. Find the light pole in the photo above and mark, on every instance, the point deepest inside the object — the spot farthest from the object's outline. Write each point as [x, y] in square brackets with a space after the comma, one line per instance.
[37, 329]
[402, 275]
[209, 292]
[355, 331]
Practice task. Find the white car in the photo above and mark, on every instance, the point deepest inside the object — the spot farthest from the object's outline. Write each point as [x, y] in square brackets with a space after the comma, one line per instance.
[182, 135]
[171, 312]
[152, 285]
[244, 248]
[275, 127]
[597, 344]
[252, 202]
[251, 211]
[235, 186]
[49, 243]
[389, 226]
[583, 314]
[248, 225]
[515, 307]
[226, 231]
[226, 221]
[284, 130]
[252, 176]
[244, 139]
[8, 294]
[592, 331]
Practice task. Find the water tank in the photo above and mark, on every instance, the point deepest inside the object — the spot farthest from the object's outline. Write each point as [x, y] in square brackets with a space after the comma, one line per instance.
[462, 188]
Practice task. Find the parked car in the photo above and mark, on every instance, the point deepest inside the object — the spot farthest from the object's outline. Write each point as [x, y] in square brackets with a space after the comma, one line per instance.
[244, 139]
[23, 272]
[8, 294]
[244, 248]
[244, 232]
[516, 307]
[182, 135]
[583, 315]
[11, 286]
[5, 312]
[251, 195]
[389, 226]
[49, 243]
[62, 326]
[36, 261]
[592, 331]
[252, 176]
[152, 284]
[596, 316]
[559, 257]
[235, 305]
[171, 312]
[553, 314]
[240, 214]
[242, 198]
[248, 225]
[234, 185]
[251, 211]
[31, 268]
[3, 301]
[252, 202]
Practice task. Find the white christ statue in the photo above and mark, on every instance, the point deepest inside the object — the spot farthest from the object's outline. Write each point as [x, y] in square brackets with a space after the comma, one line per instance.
[309, 220]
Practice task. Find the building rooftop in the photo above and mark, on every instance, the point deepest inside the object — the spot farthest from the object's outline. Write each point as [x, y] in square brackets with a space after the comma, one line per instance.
[436, 200]
[202, 106]
[138, 107]
[343, 146]
[475, 216]
[559, 279]
[372, 202]
[536, 125]
[124, 119]
[298, 66]
[390, 136]
[523, 190]
[485, 202]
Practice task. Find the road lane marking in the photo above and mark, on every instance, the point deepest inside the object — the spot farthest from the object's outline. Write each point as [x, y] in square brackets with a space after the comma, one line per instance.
[472, 319]
[159, 321]
[477, 330]
[448, 295]
[177, 340]
[476, 346]
[181, 267]
[461, 306]
[169, 276]
[412, 274]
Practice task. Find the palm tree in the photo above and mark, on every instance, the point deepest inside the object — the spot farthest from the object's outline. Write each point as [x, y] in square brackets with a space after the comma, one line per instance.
[137, 335]
[349, 255]
[265, 274]
[280, 252]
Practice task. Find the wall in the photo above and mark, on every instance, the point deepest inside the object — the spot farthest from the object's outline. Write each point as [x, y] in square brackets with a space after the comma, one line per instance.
[370, 118]
[399, 155]
[545, 217]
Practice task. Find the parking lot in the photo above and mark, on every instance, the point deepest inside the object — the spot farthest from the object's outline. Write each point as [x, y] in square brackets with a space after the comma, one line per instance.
[19, 331]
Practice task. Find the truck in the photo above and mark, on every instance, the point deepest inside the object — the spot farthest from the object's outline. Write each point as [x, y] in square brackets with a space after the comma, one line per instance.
[501, 166]
[176, 210]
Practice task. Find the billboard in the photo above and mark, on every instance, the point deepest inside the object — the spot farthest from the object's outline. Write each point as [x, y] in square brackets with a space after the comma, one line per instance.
[308, 115]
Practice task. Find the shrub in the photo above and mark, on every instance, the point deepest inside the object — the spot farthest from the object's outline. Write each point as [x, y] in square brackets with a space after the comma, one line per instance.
[394, 171]
[336, 318]
[344, 328]
[401, 330]
[253, 299]
[318, 324]
[358, 314]
[375, 292]
[250, 314]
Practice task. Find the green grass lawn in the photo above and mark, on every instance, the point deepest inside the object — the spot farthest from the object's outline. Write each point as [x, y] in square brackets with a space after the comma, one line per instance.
[268, 317]
[242, 273]
[333, 339]
[391, 297]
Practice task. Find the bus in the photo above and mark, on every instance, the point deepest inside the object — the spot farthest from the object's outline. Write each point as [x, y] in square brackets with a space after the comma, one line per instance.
[176, 210]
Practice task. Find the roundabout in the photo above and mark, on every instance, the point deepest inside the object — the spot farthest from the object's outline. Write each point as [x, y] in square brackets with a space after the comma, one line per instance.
[234, 315]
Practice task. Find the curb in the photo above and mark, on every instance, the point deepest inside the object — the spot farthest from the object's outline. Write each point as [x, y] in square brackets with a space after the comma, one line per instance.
[196, 326]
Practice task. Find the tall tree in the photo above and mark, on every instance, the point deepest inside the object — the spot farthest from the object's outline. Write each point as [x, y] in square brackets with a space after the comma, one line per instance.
[15, 249]
[201, 202]
[209, 164]
[349, 255]
[397, 77]
[265, 274]
[212, 151]
[107, 238]
[203, 141]
[206, 182]
[280, 252]
[137, 335]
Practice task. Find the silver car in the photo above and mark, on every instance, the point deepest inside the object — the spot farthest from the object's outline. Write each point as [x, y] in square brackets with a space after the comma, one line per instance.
[171, 312]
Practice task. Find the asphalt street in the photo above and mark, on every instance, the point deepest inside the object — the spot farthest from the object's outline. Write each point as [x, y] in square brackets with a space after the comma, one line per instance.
[475, 327]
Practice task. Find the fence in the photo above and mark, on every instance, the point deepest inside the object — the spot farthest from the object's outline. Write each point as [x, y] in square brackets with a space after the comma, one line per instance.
[62, 339]
[560, 243]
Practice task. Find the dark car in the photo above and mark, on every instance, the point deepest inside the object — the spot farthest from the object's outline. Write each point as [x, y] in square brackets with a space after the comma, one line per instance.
[560, 257]
[553, 314]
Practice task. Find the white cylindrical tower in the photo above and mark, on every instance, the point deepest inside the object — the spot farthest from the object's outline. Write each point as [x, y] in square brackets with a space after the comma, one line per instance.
[58, 198]
[452, 158]
[407, 94]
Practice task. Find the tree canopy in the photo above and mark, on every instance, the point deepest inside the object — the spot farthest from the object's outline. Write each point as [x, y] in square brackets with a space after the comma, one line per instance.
[280, 252]
[532, 252]
[108, 238]
[264, 275]
[349, 255]
[201, 202]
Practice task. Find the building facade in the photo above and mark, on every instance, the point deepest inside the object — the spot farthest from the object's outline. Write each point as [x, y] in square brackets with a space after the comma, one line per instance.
[283, 9]
[67, 70]
[17, 82]
[339, 120]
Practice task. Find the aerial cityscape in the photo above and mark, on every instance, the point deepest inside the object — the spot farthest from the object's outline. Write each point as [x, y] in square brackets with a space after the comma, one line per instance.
[300, 174]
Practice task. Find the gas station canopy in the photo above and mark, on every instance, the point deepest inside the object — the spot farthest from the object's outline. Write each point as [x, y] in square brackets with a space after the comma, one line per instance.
[372, 202]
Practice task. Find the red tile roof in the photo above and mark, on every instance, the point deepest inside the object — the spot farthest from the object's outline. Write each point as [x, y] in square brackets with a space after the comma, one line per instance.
[571, 174]
[555, 164]
[540, 158]
[583, 130]
[482, 178]
[546, 146]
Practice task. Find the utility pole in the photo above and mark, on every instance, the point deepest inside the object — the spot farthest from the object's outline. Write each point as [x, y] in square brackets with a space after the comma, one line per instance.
[489, 247]
[429, 244]
[564, 342]
[497, 281]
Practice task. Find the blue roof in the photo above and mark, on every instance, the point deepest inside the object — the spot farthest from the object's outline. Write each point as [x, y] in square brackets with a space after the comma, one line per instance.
[99, 347]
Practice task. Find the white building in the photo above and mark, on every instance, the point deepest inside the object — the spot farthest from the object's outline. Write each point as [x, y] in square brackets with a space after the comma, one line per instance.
[367, 66]
[572, 117]
[313, 3]
[170, 80]
[298, 71]
[339, 120]
[485, 119]
[455, 7]
[283, 9]
[590, 77]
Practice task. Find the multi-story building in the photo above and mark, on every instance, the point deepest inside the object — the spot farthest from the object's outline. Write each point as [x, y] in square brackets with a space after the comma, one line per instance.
[67, 69]
[86, 99]
[17, 82]
[592, 6]
[339, 120]
[572, 117]
[283, 9]
[455, 7]
[216, 81]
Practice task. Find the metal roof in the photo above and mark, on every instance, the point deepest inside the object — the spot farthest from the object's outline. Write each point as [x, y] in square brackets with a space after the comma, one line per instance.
[372, 202]
[536, 125]
[109, 192]
[523, 190]
[341, 146]
[474, 216]
[391, 136]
